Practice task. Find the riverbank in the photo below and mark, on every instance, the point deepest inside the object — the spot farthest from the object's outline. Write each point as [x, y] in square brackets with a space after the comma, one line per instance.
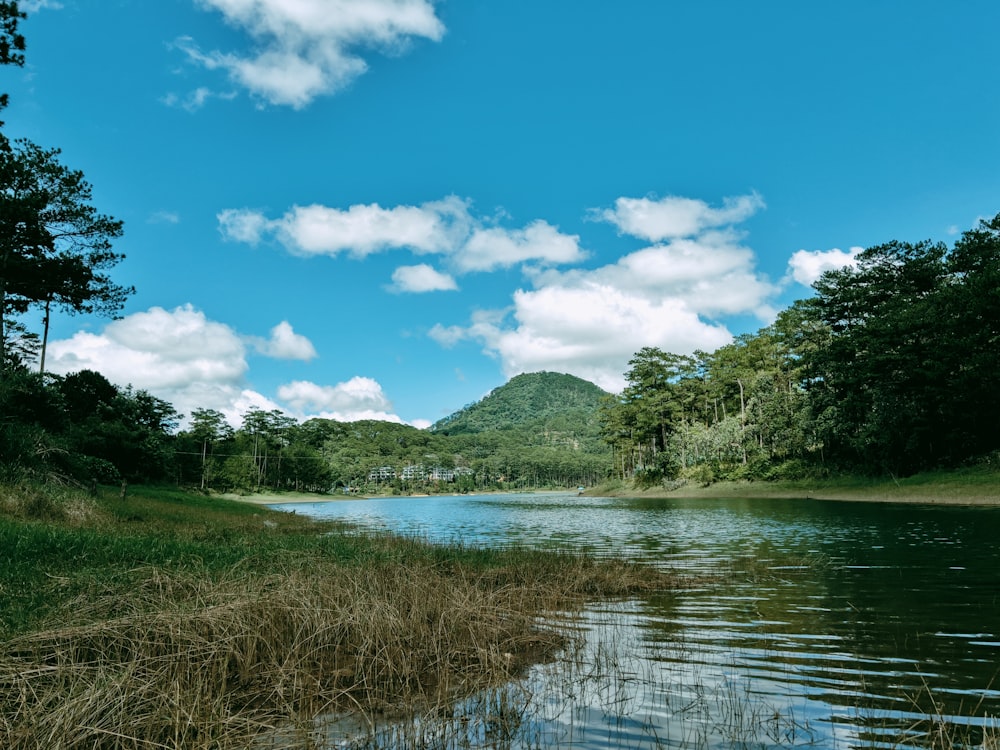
[291, 498]
[173, 620]
[974, 486]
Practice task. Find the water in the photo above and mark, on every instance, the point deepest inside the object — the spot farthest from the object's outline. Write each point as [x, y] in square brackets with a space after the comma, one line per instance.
[824, 624]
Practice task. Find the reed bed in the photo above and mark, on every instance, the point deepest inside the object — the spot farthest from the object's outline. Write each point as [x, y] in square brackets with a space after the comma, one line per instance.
[188, 655]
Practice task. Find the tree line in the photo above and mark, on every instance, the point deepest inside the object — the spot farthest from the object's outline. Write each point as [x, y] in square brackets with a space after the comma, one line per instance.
[82, 428]
[889, 368]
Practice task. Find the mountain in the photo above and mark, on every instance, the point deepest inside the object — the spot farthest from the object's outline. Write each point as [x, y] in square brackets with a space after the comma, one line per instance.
[562, 407]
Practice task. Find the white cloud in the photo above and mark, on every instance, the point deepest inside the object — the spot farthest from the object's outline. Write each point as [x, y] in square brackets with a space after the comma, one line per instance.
[358, 398]
[590, 322]
[285, 344]
[712, 275]
[307, 48]
[445, 227]
[177, 355]
[674, 217]
[195, 100]
[242, 225]
[490, 248]
[448, 336]
[590, 330]
[362, 230]
[192, 362]
[33, 6]
[806, 266]
[421, 278]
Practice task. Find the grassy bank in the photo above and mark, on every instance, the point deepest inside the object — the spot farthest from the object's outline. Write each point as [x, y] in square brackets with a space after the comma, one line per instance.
[172, 620]
[973, 486]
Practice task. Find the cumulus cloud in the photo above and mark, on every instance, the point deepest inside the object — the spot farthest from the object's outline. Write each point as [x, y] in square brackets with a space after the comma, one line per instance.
[192, 362]
[309, 48]
[285, 343]
[589, 322]
[178, 355]
[363, 230]
[588, 329]
[806, 266]
[445, 227]
[358, 398]
[421, 278]
[490, 248]
[673, 217]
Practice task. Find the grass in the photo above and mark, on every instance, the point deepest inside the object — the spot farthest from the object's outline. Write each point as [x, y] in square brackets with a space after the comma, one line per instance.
[979, 485]
[171, 620]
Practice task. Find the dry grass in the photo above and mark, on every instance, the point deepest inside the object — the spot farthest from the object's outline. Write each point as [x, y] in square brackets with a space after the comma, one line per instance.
[188, 659]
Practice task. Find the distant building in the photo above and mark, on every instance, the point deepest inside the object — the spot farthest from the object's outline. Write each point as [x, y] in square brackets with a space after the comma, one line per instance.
[413, 473]
[419, 473]
[382, 474]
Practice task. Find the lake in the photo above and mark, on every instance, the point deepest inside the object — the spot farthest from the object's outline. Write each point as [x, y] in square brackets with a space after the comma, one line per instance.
[820, 624]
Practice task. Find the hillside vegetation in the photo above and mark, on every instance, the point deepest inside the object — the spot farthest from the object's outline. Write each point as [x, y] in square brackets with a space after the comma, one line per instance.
[888, 370]
[545, 402]
[538, 431]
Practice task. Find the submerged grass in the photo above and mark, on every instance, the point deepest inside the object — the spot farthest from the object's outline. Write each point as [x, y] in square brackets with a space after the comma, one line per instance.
[170, 620]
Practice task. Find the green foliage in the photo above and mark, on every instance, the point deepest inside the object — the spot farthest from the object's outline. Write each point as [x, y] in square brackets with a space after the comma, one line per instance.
[907, 375]
[11, 39]
[55, 248]
[562, 406]
[888, 369]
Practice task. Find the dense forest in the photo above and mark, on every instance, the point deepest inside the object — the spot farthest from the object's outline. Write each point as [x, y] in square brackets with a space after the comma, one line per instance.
[889, 369]
[83, 428]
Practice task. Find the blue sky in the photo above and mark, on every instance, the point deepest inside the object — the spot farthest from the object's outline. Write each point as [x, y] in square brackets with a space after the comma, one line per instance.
[386, 208]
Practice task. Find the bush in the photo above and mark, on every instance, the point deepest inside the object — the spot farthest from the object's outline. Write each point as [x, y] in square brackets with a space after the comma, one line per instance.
[703, 474]
[794, 469]
[90, 468]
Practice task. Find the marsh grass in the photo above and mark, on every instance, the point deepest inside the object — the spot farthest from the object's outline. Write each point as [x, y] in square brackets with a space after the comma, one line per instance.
[175, 621]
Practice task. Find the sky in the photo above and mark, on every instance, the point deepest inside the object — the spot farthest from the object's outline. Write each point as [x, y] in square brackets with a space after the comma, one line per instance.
[384, 209]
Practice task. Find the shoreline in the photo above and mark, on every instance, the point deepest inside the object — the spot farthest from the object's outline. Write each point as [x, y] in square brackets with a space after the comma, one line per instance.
[922, 493]
[972, 487]
[303, 498]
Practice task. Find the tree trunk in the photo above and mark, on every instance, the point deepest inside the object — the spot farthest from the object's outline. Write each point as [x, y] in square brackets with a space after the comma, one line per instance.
[743, 421]
[45, 335]
[204, 450]
[3, 321]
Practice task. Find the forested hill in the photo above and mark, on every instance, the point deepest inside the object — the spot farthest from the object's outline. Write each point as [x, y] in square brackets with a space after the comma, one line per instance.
[545, 401]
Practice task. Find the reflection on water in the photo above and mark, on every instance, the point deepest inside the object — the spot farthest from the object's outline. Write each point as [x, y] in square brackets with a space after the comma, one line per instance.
[826, 624]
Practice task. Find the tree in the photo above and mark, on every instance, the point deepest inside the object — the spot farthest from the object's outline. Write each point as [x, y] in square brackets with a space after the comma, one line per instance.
[55, 248]
[208, 427]
[639, 423]
[265, 435]
[883, 381]
[11, 40]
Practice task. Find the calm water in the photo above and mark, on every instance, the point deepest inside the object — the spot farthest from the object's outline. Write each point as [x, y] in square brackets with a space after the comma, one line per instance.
[826, 624]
